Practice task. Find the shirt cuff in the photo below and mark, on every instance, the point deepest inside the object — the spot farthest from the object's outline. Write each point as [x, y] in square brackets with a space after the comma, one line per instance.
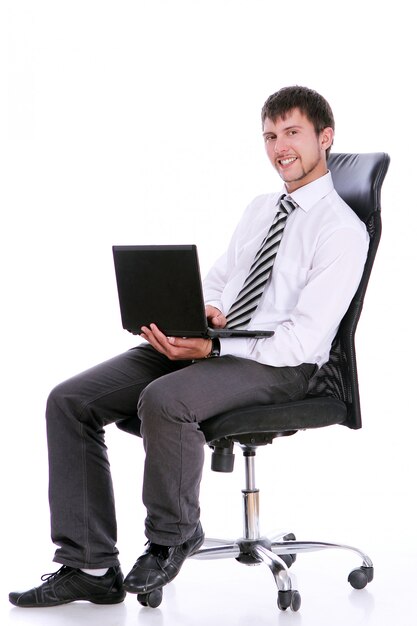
[236, 346]
[216, 303]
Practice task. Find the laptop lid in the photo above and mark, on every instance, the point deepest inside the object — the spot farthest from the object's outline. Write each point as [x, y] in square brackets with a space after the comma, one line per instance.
[162, 284]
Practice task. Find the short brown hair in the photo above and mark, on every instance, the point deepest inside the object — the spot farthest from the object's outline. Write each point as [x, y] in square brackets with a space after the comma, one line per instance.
[309, 102]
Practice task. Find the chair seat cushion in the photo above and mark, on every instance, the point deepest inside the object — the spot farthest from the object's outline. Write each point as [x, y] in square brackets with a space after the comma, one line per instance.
[275, 419]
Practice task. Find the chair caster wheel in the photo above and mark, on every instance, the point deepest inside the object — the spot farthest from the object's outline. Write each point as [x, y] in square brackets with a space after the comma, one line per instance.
[361, 576]
[289, 599]
[151, 599]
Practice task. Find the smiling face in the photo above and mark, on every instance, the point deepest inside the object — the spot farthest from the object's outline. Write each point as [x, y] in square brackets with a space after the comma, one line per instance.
[295, 150]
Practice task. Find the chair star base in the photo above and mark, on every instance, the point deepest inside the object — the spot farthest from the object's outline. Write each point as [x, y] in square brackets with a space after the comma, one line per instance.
[278, 552]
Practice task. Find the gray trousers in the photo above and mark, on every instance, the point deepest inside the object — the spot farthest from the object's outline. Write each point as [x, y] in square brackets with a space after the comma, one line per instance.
[170, 398]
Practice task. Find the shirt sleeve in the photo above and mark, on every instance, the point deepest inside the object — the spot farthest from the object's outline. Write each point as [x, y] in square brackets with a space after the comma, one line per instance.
[330, 286]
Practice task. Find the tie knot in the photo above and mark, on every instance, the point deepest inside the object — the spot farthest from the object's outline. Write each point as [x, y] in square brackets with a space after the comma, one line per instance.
[287, 204]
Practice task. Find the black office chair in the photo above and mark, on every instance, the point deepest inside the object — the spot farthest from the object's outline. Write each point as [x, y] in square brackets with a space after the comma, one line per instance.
[333, 398]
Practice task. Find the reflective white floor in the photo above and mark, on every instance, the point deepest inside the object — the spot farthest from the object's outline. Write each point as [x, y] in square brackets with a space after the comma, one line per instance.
[225, 592]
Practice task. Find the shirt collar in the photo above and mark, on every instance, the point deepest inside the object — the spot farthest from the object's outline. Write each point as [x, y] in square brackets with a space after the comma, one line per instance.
[308, 195]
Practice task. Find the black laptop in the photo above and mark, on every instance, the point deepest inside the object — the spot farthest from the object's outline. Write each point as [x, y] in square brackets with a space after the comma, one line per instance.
[162, 284]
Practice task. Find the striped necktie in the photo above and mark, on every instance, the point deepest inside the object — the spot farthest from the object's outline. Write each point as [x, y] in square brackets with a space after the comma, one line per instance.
[249, 296]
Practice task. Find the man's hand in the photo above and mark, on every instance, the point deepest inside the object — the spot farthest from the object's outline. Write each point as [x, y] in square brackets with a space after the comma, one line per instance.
[215, 317]
[176, 348]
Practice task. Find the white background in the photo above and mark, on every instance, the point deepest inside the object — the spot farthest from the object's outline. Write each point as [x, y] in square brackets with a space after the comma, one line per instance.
[139, 122]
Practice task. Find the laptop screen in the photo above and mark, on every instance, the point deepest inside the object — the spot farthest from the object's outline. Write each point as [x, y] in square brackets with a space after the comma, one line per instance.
[160, 284]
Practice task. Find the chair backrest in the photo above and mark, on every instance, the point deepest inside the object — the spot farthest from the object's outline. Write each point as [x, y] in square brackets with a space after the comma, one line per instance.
[358, 179]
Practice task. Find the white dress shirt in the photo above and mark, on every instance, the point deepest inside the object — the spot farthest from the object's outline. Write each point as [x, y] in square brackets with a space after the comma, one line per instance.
[317, 270]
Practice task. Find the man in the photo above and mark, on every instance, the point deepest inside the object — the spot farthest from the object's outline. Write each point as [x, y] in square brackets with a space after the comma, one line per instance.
[296, 277]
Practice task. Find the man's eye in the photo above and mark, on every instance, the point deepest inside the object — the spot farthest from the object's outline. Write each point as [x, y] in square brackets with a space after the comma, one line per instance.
[269, 138]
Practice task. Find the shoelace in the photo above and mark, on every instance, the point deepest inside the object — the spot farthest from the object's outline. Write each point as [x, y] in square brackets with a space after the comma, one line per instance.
[48, 577]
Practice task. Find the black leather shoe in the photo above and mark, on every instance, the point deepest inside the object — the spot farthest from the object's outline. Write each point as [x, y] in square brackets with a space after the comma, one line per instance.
[69, 584]
[158, 565]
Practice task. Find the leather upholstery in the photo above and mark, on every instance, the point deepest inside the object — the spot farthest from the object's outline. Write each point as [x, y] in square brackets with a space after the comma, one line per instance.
[358, 180]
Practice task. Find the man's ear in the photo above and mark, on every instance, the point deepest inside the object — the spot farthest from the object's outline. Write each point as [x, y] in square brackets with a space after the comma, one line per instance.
[327, 136]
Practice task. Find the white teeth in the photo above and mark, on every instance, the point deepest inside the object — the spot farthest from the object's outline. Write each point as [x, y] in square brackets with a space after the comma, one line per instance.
[287, 161]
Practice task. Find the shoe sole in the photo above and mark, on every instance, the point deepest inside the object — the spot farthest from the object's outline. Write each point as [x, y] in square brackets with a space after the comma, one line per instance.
[115, 600]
